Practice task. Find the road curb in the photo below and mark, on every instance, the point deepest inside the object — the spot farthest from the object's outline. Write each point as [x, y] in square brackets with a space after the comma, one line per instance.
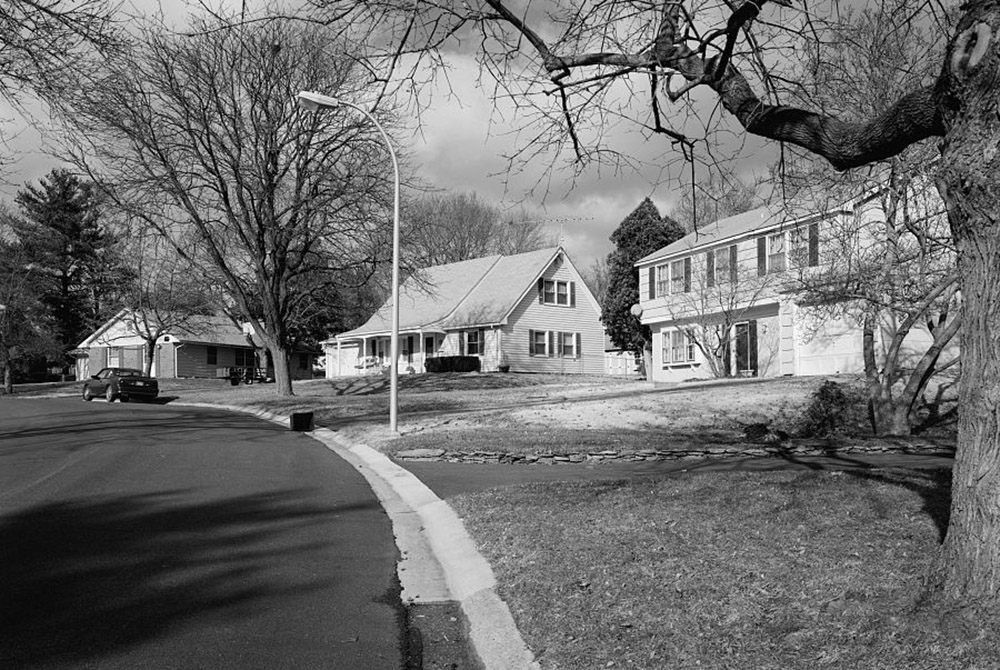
[439, 562]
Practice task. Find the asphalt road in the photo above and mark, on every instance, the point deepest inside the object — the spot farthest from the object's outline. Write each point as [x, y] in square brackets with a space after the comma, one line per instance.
[149, 536]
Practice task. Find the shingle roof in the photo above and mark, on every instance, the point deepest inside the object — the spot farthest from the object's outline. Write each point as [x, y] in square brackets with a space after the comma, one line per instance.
[732, 227]
[476, 292]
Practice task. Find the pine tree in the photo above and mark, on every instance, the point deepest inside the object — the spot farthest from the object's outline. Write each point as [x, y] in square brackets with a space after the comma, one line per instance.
[63, 241]
[641, 233]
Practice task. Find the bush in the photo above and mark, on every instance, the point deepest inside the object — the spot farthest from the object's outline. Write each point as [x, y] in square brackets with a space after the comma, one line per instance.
[453, 364]
[826, 412]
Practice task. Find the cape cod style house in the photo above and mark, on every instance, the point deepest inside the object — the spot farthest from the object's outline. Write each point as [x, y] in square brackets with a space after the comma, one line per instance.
[206, 346]
[531, 312]
[721, 301]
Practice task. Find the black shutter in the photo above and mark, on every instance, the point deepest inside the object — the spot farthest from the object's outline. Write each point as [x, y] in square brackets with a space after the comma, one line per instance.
[531, 343]
[461, 343]
[710, 268]
[552, 343]
[752, 352]
[482, 342]
[762, 255]
[652, 283]
[813, 244]
[572, 294]
[687, 275]
[541, 290]
[733, 268]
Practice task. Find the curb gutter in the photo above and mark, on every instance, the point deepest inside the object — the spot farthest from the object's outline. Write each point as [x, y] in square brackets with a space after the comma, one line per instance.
[439, 562]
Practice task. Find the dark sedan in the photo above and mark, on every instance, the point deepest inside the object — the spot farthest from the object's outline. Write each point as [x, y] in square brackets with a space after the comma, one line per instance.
[120, 384]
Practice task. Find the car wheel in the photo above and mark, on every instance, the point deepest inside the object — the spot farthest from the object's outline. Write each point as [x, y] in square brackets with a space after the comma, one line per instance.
[109, 393]
[87, 394]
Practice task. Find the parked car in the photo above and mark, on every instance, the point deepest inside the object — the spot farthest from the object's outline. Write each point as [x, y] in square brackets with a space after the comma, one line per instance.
[120, 384]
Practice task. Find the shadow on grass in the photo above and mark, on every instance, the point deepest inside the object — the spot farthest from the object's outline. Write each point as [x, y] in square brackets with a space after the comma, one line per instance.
[84, 578]
[933, 485]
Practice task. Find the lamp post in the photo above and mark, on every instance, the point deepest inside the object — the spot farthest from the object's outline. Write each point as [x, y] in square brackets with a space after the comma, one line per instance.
[313, 102]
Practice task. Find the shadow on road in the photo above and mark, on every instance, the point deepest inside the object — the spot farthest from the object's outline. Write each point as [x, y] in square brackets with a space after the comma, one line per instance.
[84, 578]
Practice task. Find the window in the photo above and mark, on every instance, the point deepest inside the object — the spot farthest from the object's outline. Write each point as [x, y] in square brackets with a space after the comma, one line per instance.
[662, 280]
[776, 252]
[680, 276]
[677, 347]
[244, 358]
[554, 344]
[804, 246]
[724, 262]
[213, 356]
[538, 342]
[567, 345]
[474, 343]
[428, 346]
[557, 292]
[550, 292]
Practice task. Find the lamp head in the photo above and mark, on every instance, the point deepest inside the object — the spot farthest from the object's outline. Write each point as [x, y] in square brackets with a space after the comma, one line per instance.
[311, 101]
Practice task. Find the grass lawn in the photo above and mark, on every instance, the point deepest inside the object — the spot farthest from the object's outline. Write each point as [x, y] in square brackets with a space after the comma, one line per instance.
[730, 570]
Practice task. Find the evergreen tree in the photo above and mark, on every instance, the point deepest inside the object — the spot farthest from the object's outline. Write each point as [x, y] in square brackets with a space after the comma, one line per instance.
[640, 234]
[59, 230]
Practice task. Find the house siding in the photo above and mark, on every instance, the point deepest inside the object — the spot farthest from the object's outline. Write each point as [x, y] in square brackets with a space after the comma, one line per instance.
[530, 315]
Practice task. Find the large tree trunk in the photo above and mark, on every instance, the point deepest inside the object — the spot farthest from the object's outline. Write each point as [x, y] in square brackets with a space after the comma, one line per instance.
[282, 370]
[970, 185]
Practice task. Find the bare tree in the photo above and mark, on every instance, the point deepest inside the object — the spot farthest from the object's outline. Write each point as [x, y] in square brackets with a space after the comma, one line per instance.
[450, 227]
[43, 41]
[161, 292]
[719, 195]
[201, 139]
[605, 61]
[596, 277]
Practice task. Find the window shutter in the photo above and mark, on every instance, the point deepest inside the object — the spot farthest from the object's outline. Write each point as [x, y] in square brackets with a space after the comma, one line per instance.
[541, 290]
[559, 345]
[482, 342]
[572, 294]
[552, 343]
[531, 343]
[813, 245]
[687, 275]
[762, 255]
[461, 343]
[652, 283]
[753, 347]
[733, 269]
[710, 268]
[578, 350]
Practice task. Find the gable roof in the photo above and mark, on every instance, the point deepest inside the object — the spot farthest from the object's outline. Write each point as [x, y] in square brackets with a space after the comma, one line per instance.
[477, 292]
[210, 330]
[734, 227]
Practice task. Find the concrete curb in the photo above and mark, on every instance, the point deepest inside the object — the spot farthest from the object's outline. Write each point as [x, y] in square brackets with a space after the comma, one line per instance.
[439, 561]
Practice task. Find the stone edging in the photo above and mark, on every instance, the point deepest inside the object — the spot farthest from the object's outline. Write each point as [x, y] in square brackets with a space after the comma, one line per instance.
[804, 448]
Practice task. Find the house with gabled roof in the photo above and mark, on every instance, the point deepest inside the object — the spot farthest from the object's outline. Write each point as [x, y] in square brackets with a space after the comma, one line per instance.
[207, 346]
[531, 312]
[718, 300]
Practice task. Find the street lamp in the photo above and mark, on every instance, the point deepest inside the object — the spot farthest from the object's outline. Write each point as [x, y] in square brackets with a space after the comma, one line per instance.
[314, 102]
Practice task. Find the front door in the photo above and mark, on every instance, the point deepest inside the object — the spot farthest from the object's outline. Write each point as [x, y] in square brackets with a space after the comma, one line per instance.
[746, 349]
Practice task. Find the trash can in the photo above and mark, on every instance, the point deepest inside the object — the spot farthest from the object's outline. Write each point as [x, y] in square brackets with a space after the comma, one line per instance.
[301, 422]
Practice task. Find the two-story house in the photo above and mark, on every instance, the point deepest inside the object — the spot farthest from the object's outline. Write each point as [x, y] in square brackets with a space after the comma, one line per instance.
[718, 301]
[531, 312]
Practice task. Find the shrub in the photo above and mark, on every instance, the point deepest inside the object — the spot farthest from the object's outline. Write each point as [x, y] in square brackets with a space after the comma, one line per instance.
[827, 410]
[452, 364]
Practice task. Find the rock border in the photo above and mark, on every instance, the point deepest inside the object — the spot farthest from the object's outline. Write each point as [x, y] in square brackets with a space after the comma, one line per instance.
[802, 448]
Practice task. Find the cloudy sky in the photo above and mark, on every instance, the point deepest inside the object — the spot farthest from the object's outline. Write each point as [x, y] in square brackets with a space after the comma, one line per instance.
[460, 146]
